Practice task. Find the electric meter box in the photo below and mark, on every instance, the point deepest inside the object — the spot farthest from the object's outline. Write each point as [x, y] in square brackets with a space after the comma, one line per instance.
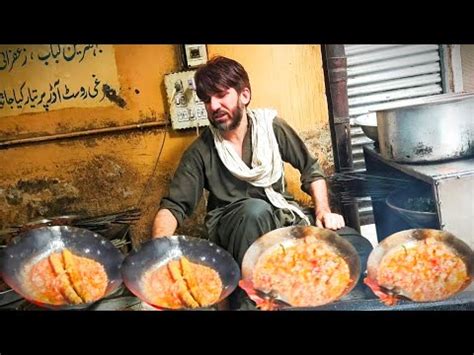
[186, 110]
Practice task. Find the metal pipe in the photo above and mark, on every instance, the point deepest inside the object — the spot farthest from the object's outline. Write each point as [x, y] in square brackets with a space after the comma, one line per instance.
[335, 74]
[90, 132]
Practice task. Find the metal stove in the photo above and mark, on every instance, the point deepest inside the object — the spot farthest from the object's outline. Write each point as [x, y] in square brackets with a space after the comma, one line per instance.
[452, 189]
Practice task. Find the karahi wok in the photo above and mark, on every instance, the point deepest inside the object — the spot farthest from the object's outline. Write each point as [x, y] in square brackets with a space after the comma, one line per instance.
[168, 257]
[30, 257]
[420, 265]
[300, 266]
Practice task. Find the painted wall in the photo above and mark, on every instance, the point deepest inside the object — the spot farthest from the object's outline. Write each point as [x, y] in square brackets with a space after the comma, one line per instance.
[113, 172]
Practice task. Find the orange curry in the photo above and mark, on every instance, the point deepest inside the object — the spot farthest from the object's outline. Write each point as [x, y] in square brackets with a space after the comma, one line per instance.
[309, 273]
[65, 278]
[427, 270]
[182, 284]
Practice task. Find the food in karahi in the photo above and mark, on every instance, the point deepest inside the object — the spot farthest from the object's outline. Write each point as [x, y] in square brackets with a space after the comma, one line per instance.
[306, 273]
[182, 284]
[423, 271]
[64, 278]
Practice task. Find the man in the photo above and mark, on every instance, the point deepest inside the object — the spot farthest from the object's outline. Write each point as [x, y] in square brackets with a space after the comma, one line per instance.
[239, 160]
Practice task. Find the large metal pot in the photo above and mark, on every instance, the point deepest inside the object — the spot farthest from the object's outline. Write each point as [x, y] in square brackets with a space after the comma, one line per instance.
[431, 129]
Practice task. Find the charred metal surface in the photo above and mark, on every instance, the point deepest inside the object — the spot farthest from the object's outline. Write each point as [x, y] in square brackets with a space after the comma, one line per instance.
[469, 148]
[422, 149]
[112, 95]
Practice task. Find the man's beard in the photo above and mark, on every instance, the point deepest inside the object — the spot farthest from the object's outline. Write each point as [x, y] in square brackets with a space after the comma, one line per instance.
[234, 122]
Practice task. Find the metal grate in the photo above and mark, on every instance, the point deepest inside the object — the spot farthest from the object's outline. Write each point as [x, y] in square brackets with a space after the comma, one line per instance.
[467, 58]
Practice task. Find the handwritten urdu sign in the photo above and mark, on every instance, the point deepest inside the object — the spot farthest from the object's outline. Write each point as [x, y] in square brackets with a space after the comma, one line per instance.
[39, 78]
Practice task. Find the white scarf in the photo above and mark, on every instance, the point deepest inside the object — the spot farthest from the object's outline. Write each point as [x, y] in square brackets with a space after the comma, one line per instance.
[267, 165]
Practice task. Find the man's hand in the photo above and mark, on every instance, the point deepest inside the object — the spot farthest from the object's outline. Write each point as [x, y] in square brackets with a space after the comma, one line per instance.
[324, 217]
[164, 224]
[329, 220]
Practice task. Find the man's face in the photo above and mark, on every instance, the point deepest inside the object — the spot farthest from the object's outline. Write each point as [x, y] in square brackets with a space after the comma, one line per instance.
[225, 110]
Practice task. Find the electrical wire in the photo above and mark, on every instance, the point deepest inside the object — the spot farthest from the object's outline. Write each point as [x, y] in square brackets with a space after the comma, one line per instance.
[147, 186]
